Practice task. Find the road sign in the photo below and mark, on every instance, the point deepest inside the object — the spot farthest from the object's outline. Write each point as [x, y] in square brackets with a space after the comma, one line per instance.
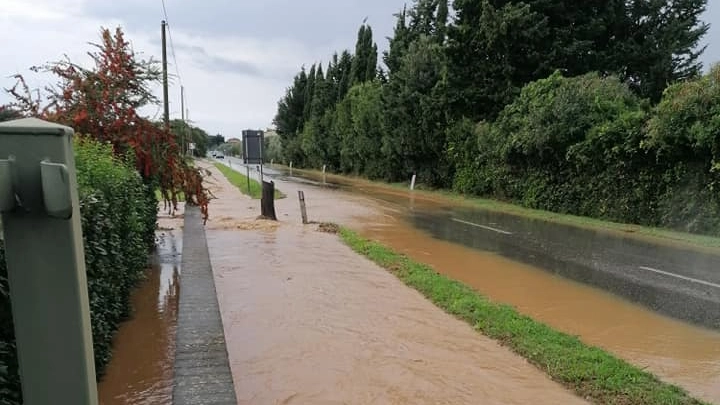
[253, 146]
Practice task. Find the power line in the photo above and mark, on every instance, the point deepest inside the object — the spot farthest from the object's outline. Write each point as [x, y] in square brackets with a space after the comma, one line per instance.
[172, 46]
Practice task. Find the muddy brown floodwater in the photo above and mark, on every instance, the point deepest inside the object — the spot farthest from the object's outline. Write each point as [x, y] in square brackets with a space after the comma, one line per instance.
[141, 369]
[308, 321]
[334, 345]
[677, 352]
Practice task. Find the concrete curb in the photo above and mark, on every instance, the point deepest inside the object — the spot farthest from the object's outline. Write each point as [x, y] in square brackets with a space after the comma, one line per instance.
[202, 370]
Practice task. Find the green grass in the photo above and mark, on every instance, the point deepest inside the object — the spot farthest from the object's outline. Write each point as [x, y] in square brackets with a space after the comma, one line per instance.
[589, 371]
[659, 235]
[241, 182]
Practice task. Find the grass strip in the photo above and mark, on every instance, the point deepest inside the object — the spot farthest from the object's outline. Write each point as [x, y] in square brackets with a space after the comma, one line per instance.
[589, 371]
[241, 182]
[654, 234]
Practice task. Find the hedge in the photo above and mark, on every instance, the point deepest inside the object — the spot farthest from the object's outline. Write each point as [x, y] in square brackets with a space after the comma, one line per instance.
[119, 215]
[588, 146]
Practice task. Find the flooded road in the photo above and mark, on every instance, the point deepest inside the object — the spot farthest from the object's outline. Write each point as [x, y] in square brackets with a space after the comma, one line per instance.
[141, 368]
[309, 321]
[674, 281]
[675, 351]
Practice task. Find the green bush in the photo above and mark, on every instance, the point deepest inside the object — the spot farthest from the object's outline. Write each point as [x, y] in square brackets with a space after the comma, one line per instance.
[118, 221]
[685, 135]
[569, 145]
[588, 146]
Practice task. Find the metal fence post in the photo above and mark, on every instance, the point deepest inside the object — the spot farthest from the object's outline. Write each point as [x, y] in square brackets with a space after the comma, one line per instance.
[46, 263]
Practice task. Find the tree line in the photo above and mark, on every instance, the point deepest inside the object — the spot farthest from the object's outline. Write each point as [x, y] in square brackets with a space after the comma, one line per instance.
[596, 108]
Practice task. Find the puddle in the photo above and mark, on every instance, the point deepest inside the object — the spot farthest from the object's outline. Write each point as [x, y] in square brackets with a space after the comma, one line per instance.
[141, 368]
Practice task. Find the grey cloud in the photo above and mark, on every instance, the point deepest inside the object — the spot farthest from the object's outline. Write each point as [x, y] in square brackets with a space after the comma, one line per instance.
[214, 63]
[318, 24]
[315, 23]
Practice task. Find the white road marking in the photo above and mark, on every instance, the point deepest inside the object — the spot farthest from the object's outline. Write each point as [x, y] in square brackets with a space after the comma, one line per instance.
[692, 280]
[489, 228]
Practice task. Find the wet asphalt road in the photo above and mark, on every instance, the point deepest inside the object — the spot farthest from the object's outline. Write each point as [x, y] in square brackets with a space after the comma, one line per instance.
[675, 281]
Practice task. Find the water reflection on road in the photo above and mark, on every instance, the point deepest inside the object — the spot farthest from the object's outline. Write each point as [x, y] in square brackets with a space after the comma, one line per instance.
[141, 369]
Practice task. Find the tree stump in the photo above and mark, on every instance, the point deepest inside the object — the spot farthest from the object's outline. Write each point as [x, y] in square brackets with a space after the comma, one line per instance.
[267, 201]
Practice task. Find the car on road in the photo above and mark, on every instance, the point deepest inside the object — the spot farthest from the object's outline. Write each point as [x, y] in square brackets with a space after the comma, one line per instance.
[219, 155]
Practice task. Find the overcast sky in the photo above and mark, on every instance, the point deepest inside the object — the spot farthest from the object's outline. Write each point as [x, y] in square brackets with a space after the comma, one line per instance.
[235, 58]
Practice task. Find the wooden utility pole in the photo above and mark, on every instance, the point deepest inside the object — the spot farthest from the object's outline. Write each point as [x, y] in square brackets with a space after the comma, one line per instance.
[182, 112]
[166, 102]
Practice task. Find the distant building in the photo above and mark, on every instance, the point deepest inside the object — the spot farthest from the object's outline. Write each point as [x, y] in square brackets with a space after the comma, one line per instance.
[234, 141]
[270, 132]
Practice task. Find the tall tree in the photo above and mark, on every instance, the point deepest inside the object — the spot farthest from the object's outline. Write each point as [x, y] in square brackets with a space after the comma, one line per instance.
[414, 97]
[364, 63]
[398, 43]
[357, 123]
[289, 119]
[441, 20]
[332, 77]
[415, 117]
[487, 61]
[344, 73]
[309, 92]
[659, 42]
[498, 46]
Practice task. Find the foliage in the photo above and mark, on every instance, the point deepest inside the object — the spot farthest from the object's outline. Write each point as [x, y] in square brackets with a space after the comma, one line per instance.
[118, 222]
[364, 64]
[482, 82]
[289, 119]
[215, 140]
[580, 146]
[568, 145]
[542, 103]
[646, 44]
[356, 124]
[589, 371]
[657, 43]
[685, 136]
[273, 149]
[185, 133]
[10, 390]
[103, 103]
[8, 113]
[306, 114]
[415, 120]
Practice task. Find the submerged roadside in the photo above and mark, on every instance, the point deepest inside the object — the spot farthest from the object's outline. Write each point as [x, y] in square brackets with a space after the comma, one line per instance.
[589, 371]
[704, 243]
[642, 340]
[295, 300]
